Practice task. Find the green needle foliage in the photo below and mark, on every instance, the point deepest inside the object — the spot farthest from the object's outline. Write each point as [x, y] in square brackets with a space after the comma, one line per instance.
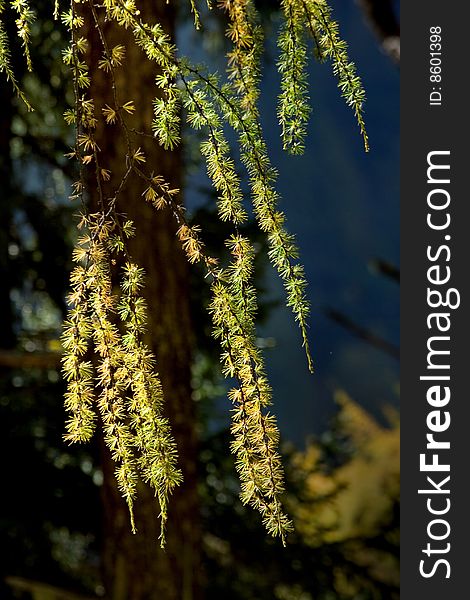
[255, 433]
[107, 366]
[294, 105]
[130, 398]
[25, 18]
[325, 31]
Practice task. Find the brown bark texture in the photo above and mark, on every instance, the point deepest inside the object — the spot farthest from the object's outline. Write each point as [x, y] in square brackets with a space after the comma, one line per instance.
[134, 566]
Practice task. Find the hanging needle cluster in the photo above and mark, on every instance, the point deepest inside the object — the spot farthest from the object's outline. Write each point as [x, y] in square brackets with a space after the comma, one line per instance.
[254, 430]
[108, 367]
[112, 377]
[313, 18]
[24, 18]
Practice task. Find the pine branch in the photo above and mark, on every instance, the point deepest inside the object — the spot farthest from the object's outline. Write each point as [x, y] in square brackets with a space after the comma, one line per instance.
[108, 366]
[318, 15]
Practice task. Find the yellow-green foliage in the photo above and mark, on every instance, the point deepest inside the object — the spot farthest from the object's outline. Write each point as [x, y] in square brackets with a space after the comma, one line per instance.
[352, 501]
[107, 366]
[25, 16]
[294, 105]
[325, 31]
[129, 395]
[255, 433]
[350, 504]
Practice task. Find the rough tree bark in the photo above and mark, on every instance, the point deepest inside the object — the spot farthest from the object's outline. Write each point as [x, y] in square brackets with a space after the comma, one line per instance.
[135, 568]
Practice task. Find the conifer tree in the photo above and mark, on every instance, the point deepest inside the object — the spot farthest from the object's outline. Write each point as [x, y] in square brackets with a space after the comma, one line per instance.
[126, 351]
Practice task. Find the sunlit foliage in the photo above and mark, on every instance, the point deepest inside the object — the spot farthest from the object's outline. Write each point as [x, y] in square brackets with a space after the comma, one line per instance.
[107, 366]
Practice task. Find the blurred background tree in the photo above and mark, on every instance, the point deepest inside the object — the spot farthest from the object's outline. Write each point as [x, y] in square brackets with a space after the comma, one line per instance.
[64, 527]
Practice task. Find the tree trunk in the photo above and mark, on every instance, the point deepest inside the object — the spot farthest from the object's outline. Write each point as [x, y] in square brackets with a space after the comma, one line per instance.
[135, 568]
